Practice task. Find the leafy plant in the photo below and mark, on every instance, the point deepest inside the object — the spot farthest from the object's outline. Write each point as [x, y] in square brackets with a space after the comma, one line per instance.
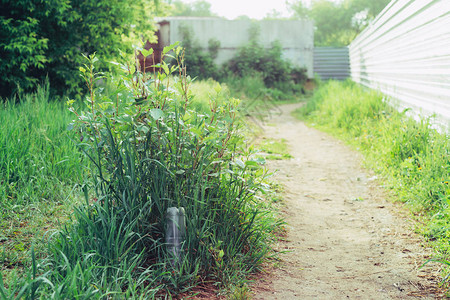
[254, 60]
[200, 64]
[149, 151]
[252, 63]
[179, 158]
[46, 39]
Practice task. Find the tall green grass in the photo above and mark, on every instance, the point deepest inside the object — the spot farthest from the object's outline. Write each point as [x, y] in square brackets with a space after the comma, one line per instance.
[37, 158]
[413, 157]
[154, 146]
[203, 91]
[39, 167]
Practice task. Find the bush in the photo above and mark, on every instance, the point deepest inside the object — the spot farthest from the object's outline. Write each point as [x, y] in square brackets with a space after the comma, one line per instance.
[252, 60]
[47, 38]
[199, 64]
[276, 73]
[151, 151]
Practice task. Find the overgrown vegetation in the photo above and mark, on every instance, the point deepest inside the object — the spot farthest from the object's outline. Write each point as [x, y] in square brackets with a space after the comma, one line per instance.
[414, 157]
[37, 157]
[200, 64]
[39, 166]
[254, 71]
[47, 38]
[337, 23]
[149, 150]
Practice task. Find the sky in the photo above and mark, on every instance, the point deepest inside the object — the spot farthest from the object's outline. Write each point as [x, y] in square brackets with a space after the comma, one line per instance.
[255, 9]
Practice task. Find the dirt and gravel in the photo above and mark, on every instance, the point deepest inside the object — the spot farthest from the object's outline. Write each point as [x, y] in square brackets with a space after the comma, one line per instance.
[344, 239]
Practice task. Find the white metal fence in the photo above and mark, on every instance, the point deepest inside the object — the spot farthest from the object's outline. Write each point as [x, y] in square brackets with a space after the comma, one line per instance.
[405, 53]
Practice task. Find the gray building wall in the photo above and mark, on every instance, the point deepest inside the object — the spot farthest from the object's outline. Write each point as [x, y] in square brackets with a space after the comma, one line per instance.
[296, 37]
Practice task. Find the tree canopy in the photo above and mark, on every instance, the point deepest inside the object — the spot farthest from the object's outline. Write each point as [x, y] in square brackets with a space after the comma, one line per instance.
[46, 38]
[199, 8]
[337, 24]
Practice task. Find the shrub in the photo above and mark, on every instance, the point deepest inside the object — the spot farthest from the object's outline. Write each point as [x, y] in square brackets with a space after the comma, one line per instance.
[276, 72]
[199, 64]
[151, 151]
[252, 60]
[47, 38]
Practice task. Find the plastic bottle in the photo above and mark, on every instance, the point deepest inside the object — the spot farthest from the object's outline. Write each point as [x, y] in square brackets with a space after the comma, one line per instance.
[175, 233]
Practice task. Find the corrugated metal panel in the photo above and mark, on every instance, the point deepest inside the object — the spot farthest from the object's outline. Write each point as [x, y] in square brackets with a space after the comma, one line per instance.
[405, 53]
[332, 62]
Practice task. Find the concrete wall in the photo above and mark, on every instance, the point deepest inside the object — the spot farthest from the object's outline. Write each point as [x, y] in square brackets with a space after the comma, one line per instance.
[296, 37]
[405, 53]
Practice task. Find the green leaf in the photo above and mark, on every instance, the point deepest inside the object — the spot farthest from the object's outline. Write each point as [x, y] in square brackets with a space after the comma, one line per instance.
[146, 52]
[218, 88]
[143, 128]
[157, 113]
[170, 47]
[240, 163]
[260, 160]
[251, 163]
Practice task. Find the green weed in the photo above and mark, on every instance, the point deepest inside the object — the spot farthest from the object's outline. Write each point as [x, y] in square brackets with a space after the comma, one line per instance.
[37, 158]
[39, 166]
[275, 149]
[149, 150]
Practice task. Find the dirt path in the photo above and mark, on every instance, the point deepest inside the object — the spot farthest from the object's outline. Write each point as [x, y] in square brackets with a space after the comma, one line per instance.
[345, 241]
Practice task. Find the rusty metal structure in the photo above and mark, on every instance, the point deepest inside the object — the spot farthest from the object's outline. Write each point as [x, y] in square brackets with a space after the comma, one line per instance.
[146, 64]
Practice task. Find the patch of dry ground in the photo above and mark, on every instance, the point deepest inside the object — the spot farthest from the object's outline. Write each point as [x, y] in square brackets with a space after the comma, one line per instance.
[344, 240]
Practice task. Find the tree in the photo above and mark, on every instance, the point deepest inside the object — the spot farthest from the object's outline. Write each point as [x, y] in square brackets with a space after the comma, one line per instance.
[337, 24]
[46, 38]
[199, 8]
[364, 11]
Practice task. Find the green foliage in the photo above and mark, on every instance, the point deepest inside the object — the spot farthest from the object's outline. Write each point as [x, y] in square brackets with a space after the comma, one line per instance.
[151, 151]
[203, 91]
[39, 166]
[338, 23]
[275, 149]
[47, 38]
[254, 58]
[199, 8]
[200, 64]
[414, 157]
[37, 158]
[252, 62]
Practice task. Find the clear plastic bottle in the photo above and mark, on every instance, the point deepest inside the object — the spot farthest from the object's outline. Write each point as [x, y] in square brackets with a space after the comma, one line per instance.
[175, 233]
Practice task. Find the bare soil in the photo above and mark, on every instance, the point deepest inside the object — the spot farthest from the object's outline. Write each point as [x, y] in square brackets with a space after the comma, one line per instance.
[344, 240]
